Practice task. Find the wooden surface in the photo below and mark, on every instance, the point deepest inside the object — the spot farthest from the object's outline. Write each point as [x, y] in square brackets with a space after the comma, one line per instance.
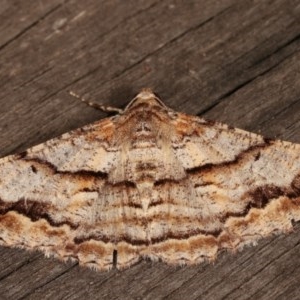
[229, 60]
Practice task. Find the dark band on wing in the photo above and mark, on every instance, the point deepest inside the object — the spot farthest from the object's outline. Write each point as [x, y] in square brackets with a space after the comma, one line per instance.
[34, 210]
[237, 160]
[140, 242]
[54, 169]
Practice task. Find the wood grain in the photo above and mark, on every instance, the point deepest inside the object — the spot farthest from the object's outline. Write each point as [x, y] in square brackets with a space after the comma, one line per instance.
[234, 61]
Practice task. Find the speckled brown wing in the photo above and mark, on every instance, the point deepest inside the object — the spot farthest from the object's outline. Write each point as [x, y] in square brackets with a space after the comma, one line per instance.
[239, 187]
[54, 192]
[148, 182]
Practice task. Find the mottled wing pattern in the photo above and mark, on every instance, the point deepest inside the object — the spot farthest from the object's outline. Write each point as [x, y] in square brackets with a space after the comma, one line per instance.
[52, 194]
[149, 182]
[239, 187]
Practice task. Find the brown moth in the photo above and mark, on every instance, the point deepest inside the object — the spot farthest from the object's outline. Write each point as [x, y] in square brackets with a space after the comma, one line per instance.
[148, 182]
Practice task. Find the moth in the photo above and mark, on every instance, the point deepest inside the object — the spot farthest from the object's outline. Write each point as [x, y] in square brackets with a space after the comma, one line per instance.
[148, 182]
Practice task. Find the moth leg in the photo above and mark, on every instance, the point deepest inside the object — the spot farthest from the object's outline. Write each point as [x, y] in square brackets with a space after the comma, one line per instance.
[104, 108]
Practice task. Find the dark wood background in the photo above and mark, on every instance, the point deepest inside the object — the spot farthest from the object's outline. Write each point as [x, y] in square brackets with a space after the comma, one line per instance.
[229, 60]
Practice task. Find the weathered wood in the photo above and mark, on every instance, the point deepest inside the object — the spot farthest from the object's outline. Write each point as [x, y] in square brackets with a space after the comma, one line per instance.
[234, 61]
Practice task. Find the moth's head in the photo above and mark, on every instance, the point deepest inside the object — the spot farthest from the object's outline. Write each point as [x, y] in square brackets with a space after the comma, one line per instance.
[145, 97]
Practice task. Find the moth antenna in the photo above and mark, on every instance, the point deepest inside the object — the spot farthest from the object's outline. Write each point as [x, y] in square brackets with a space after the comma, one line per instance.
[104, 108]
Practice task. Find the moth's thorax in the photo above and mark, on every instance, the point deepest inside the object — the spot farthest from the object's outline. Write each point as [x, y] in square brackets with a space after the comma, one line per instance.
[144, 136]
[147, 154]
[144, 123]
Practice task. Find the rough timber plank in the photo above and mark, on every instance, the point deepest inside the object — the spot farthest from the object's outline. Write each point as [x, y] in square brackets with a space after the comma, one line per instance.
[17, 17]
[234, 61]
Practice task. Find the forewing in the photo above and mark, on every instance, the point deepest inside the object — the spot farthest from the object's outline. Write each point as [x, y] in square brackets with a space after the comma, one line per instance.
[238, 188]
[55, 193]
